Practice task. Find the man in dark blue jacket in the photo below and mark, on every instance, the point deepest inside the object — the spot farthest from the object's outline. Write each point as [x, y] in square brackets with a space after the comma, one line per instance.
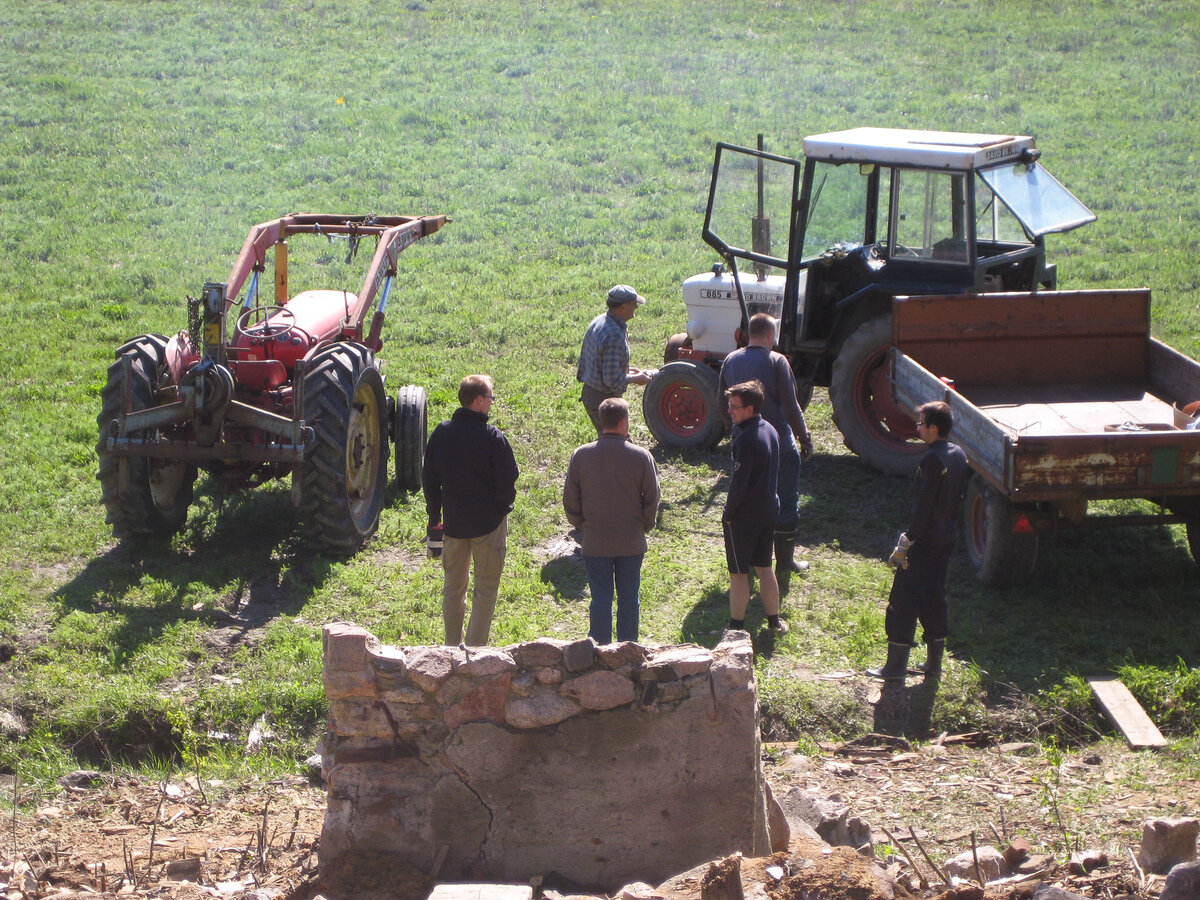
[752, 507]
[470, 481]
[922, 553]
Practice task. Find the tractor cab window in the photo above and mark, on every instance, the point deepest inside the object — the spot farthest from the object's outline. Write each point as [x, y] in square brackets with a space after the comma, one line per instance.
[1036, 198]
[841, 208]
[995, 224]
[929, 216]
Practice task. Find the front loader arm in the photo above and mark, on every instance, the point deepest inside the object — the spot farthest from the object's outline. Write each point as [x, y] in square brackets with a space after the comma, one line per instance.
[396, 233]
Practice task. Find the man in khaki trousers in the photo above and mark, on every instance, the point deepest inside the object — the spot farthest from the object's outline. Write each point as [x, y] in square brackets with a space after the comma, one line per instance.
[470, 480]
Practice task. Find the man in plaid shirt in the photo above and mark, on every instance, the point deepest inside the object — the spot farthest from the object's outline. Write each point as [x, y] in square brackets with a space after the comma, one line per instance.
[604, 359]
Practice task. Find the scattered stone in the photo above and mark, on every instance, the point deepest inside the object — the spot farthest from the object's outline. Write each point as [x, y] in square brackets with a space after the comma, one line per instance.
[777, 823]
[11, 726]
[991, 864]
[1039, 862]
[1083, 862]
[1166, 843]
[1183, 882]
[187, 869]
[828, 817]
[84, 778]
[1017, 851]
[1050, 892]
[315, 766]
[638, 890]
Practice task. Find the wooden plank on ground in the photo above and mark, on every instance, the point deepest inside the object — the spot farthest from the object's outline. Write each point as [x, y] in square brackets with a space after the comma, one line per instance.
[1125, 713]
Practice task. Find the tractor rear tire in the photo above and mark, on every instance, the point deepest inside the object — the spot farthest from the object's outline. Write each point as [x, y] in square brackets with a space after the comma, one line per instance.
[872, 426]
[999, 556]
[156, 494]
[682, 405]
[409, 436]
[342, 477]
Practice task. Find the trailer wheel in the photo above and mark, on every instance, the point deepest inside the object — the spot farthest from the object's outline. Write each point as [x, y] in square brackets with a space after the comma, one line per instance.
[154, 495]
[410, 435]
[343, 473]
[872, 425]
[682, 405]
[999, 556]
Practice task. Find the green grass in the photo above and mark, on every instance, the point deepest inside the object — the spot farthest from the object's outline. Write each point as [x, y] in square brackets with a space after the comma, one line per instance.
[571, 143]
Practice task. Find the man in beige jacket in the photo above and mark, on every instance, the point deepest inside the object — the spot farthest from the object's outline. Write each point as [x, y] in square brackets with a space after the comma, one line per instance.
[611, 494]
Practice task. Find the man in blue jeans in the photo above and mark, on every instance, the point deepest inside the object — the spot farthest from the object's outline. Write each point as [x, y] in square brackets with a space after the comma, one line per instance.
[611, 494]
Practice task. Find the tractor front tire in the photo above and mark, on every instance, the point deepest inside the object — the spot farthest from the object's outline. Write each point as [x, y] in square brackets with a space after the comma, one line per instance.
[682, 405]
[999, 556]
[882, 434]
[343, 473]
[409, 435]
[153, 497]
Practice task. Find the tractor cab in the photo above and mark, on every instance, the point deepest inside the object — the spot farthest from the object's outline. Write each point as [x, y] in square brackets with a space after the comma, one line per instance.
[827, 240]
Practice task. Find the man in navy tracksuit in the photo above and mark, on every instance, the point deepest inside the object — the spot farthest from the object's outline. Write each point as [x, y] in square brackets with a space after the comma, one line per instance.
[752, 507]
[923, 551]
[470, 480]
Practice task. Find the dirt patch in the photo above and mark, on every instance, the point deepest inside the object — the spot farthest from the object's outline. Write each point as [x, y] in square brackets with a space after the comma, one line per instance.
[138, 838]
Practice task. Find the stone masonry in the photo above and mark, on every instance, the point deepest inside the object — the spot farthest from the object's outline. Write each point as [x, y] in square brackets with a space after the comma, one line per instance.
[598, 764]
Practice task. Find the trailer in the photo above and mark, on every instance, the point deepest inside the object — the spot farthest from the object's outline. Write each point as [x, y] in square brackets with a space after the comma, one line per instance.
[1060, 399]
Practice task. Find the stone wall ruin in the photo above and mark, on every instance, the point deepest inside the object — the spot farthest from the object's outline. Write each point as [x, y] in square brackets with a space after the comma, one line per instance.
[600, 765]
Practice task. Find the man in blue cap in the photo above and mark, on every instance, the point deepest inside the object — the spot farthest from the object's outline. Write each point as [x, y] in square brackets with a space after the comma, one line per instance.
[604, 358]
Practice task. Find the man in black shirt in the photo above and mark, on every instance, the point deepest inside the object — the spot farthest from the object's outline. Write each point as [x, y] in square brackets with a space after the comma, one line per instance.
[923, 551]
[752, 507]
[470, 481]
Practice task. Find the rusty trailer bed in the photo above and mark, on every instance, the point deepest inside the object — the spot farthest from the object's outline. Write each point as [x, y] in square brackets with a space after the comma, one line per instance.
[1057, 396]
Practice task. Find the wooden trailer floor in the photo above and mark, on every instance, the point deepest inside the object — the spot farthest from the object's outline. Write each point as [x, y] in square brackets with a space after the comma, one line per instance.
[1073, 409]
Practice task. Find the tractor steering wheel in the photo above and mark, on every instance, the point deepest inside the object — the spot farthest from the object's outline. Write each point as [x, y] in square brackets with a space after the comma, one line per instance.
[255, 323]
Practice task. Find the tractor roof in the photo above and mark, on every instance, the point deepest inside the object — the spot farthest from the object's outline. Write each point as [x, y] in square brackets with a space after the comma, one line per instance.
[926, 149]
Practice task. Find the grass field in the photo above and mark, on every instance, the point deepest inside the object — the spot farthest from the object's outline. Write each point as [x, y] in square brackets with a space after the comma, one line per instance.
[570, 142]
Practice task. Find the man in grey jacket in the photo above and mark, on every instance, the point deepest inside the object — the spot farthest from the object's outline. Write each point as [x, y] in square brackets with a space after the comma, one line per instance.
[611, 494]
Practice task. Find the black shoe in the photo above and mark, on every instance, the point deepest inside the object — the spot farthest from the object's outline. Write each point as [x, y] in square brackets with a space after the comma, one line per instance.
[932, 667]
[896, 667]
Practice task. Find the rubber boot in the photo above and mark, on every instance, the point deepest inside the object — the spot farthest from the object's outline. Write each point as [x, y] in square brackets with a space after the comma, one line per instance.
[896, 667]
[932, 667]
[785, 559]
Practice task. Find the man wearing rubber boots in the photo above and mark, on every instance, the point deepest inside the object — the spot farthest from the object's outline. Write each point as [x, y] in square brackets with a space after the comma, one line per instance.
[923, 551]
[758, 362]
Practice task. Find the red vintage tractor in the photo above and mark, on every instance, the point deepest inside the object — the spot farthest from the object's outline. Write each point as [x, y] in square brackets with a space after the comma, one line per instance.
[297, 390]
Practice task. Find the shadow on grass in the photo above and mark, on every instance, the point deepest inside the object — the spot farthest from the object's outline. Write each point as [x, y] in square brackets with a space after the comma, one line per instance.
[845, 503]
[1099, 598]
[906, 710]
[248, 552]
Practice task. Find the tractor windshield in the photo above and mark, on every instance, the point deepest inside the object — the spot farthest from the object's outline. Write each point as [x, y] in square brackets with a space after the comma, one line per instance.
[750, 205]
[1036, 198]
